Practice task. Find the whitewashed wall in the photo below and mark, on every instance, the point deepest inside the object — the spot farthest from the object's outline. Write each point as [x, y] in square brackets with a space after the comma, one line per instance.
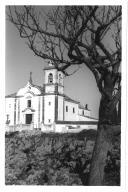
[9, 109]
[70, 116]
[63, 128]
[36, 108]
[60, 108]
[60, 89]
[50, 88]
[49, 110]
[36, 104]
[41, 109]
[62, 80]
[84, 112]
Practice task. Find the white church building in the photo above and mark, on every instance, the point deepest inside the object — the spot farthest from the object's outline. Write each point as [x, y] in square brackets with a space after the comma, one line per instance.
[47, 108]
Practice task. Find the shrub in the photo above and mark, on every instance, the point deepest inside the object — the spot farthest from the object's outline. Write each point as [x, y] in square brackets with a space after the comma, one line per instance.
[36, 158]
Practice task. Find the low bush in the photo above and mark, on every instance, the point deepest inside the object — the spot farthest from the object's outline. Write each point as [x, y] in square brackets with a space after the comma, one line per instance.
[36, 158]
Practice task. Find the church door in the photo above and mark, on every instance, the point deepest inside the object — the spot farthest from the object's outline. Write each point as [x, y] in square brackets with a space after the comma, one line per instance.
[28, 118]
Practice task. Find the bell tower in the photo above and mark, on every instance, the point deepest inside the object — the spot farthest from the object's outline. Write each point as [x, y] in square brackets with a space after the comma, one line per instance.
[53, 94]
[54, 80]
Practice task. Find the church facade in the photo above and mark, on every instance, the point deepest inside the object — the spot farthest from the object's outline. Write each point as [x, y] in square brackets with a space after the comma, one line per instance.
[47, 108]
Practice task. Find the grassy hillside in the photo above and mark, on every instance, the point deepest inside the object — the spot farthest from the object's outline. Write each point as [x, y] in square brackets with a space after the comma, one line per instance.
[35, 158]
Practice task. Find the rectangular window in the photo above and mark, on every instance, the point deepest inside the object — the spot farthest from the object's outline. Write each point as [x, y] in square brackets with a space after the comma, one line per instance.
[29, 103]
[66, 108]
[49, 103]
[7, 119]
[73, 110]
[83, 112]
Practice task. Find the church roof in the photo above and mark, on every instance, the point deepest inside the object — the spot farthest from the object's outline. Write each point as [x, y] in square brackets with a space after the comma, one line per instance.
[67, 98]
[93, 118]
[13, 95]
[33, 85]
[49, 68]
[40, 88]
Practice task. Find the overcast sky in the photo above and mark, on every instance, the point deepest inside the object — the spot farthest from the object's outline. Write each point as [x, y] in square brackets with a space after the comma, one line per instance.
[20, 61]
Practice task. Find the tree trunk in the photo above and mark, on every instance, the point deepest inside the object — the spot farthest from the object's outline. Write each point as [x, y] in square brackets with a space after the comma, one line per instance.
[102, 145]
[107, 127]
[119, 112]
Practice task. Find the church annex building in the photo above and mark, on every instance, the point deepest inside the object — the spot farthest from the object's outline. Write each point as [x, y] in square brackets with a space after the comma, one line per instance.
[47, 108]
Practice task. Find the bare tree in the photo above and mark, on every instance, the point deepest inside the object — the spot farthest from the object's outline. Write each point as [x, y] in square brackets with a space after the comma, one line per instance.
[76, 35]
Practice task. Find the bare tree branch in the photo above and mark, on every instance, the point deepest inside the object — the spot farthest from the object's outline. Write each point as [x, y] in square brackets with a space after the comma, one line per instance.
[73, 35]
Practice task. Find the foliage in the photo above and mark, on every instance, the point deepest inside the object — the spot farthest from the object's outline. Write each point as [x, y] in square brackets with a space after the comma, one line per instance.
[35, 158]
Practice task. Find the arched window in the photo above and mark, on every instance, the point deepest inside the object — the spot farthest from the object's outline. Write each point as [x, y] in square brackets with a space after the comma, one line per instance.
[28, 103]
[50, 78]
[60, 78]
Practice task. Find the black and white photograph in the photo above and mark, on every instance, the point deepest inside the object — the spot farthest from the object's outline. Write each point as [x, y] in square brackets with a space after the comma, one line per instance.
[63, 95]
